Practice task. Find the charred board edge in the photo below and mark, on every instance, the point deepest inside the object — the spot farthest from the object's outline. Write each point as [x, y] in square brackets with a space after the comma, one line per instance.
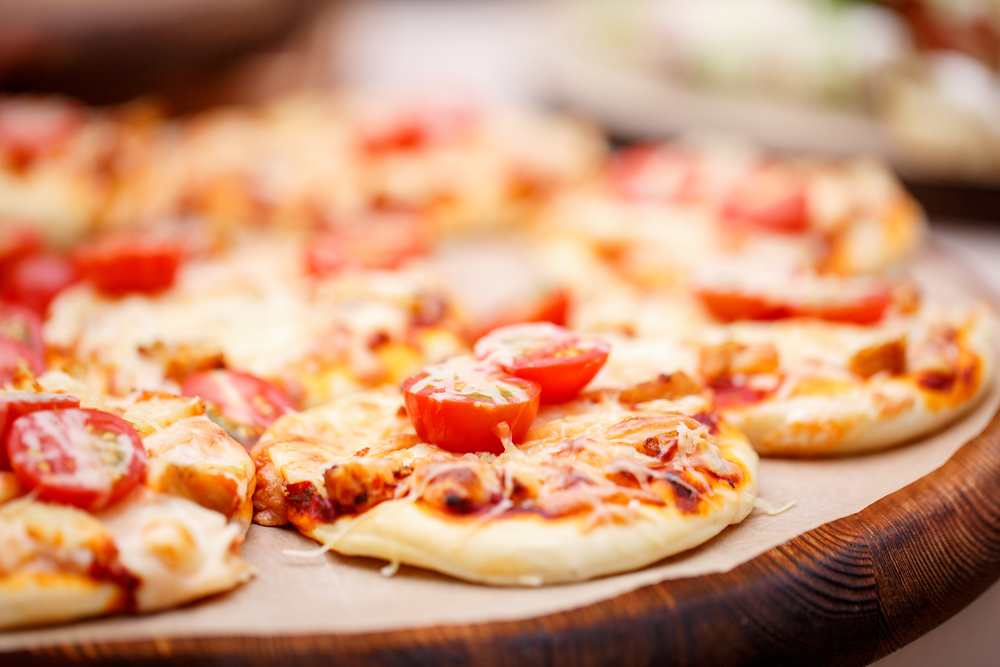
[846, 593]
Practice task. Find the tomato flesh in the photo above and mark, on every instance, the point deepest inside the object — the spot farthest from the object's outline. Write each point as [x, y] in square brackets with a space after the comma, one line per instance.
[654, 173]
[379, 240]
[460, 405]
[551, 306]
[733, 305]
[559, 360]
[17, 241]
[35, 280]
[244, 404]
[87, 458]
[14, 404]
[419, 126]
[769, 199]
[31, 127]
[121, 263]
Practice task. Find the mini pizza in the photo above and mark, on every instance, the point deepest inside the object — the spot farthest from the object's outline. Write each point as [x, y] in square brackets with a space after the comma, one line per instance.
[265, 325]
[463, 473]
[84, 532]
[660, 212]
[802, 386]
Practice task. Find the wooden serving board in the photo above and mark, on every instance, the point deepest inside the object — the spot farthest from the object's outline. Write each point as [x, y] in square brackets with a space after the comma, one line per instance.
[847, 592]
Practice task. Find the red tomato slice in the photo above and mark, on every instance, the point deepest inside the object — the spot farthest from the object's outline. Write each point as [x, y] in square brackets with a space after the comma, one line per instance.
[240, 399]
[379, 240]
[419, 126]
[22, 328]
[731, 305]
[35, 280]
[728, 395]
[121, 263]
[17, 241]
[656, 173]
[552, 306]
[14, 404]
[459, 405]
[31, 127]
[769, 199]
[867, 307]
[560, 361]
[87, 458]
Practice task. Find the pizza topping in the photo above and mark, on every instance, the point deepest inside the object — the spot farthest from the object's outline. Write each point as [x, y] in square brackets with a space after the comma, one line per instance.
[36, 279]
[117, 264]
[86, 458]
[657, 173]
[17, 241]
[241, 403]
[417, 126]
[769, 199]
[378, 240]
[20, 343]
[888, 357]
[669, 387]
[15, 404]
[459, 404]
[459, 487]
[854, 301]
[561, 361]
[551, 305]
[32, 127]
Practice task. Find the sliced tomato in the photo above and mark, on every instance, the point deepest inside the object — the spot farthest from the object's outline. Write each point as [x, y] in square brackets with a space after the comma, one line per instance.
[550, 306]
[854, 307]
[14, 404]
[417, 126]
[559, 360]
[462, 404]
[87, 458]
[22, 329]
[729, 395]
[377, 240]
[243, 404]
[36, 279]
[117, 264]
[653, 172]
[769, 199]
[31, 127]
[867, 308]
[731, 305]
[17, 241]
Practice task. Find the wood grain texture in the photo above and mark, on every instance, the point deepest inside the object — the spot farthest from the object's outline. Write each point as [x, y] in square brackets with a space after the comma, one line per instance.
[846, 593]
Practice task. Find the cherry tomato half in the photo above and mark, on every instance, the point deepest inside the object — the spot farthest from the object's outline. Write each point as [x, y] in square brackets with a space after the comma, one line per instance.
[17, 241]
[551, 306]
[459, 405]
[87, 458]
[31, 127]
[23, 329]
[36, 279]
[14, 404]
[561, 361]
[121, 263]
[768, 199]
[378, 240]
[416, 126]
[654, 173]
[867, 307]
[241, 403]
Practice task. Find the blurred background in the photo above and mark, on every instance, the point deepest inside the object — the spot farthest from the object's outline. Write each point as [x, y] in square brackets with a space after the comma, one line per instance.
[915, 82]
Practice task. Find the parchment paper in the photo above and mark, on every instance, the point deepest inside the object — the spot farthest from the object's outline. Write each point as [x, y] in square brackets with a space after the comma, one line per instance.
[332, 594]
